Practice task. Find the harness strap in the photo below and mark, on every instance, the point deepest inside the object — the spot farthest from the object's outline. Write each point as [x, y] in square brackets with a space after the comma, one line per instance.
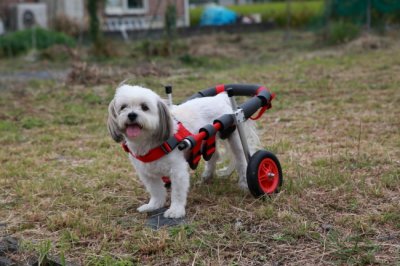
[167, 181]
[260, 113]
[208, 148]
[195, 156]
[163, 149]
[263, 109]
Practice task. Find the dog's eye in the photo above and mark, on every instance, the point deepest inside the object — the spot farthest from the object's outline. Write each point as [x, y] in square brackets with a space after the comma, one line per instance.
[122, 107]
[144, 107]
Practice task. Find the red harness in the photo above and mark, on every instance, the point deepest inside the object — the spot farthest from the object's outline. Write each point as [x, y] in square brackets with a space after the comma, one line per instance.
[163, 149]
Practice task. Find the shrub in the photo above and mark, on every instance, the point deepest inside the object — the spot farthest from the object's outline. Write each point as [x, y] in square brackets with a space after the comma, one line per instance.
[57, 52]
[155, 48]
[21, 41]
[341, 32]
[162, 47]
[302, 13]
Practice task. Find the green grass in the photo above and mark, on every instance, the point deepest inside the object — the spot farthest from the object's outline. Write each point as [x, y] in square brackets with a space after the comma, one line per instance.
[67, 190]
[302, 12]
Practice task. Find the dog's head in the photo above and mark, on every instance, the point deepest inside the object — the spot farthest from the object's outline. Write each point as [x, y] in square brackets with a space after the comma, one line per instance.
[138, 114]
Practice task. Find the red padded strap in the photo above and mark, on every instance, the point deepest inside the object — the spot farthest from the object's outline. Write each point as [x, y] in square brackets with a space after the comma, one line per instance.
[152, 155]
[166, 180]
[262, 110]
[182, 132]
[163, 149]
[260, 113]
[219, 88]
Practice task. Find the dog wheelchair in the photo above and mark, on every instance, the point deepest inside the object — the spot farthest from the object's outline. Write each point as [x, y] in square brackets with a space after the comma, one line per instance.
[264, 172]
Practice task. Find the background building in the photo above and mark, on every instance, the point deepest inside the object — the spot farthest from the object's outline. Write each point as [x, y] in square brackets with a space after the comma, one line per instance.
[116, 15]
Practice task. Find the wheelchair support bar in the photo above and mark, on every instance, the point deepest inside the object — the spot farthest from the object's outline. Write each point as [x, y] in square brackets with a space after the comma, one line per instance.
[209, 130]
[243, 89]
[262, 95]
[238, 89]
[192, 141]
[226, 121]
[225, 124]
[251, 106]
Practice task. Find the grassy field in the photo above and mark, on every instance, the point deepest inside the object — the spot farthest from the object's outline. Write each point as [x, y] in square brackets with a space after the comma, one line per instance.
[67, 190]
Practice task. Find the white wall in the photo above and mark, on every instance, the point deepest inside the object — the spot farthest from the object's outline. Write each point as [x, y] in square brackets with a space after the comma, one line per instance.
[74, 9]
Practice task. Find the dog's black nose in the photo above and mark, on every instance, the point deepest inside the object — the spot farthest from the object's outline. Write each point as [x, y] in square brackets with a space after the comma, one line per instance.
[132, 116]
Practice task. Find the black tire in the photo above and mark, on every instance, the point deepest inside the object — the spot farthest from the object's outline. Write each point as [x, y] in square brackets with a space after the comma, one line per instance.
[258, 179]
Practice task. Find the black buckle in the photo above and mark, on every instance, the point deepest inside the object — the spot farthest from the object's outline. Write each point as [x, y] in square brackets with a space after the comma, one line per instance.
[172, 142]
[169, 145]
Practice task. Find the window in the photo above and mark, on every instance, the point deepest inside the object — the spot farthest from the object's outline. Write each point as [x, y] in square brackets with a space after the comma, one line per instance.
[135, 4]
[122, 7]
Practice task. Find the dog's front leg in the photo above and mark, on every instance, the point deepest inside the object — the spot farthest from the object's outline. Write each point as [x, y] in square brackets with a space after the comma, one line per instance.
[157, 191]
[179, 189]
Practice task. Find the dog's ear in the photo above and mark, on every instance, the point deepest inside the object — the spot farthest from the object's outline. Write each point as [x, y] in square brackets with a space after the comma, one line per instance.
[112, 123]
[165, 124]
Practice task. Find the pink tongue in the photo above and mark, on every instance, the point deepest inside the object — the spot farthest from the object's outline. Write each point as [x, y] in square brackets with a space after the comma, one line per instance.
[133, 131]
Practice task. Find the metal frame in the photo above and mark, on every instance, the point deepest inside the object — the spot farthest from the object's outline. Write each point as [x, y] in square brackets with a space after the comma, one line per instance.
[239, 118]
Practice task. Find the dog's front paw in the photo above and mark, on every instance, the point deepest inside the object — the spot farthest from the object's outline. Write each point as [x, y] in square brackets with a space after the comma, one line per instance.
[149, 207]
[175, 212]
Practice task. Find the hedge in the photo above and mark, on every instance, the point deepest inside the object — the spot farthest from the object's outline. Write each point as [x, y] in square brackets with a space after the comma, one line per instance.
[18, 42]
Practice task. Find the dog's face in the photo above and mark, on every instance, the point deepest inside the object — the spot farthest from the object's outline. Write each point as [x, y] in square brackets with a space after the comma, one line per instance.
[138, 114]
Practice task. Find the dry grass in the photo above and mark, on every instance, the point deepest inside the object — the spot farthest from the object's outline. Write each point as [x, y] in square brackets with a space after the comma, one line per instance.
[66, 189]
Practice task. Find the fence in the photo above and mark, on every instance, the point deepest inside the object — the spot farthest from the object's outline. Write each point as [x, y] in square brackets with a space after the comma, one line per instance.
[368, 12]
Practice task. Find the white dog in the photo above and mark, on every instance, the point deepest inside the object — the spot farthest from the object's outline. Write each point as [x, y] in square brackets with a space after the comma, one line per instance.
[141, 119]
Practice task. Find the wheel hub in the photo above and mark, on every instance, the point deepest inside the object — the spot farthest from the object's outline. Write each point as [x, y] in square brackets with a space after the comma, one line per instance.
[268, 176]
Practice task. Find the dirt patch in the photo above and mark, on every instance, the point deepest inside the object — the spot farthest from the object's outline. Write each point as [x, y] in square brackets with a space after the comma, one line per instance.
[216, 45]
[150, 69]
[31, 75]
[85, 74]
[368, 42]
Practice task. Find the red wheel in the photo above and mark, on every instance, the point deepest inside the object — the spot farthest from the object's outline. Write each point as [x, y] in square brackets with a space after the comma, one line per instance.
[264, 174]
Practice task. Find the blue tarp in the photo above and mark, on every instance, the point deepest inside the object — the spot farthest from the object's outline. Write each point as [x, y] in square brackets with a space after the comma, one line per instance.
[217, 15]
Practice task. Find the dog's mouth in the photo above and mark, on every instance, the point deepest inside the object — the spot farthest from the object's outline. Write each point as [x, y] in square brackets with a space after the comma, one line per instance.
[133, 130]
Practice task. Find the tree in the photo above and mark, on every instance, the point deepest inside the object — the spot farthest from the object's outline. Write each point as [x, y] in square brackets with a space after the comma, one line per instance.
[95, 33]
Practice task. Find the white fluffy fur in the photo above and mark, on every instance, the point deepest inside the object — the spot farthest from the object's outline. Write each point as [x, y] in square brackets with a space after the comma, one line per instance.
[160, 122]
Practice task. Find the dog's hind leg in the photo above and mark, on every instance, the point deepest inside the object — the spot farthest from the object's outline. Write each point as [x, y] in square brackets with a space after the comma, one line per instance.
[158, 194]
[226, 162]
[209, 169]
[240, 159]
